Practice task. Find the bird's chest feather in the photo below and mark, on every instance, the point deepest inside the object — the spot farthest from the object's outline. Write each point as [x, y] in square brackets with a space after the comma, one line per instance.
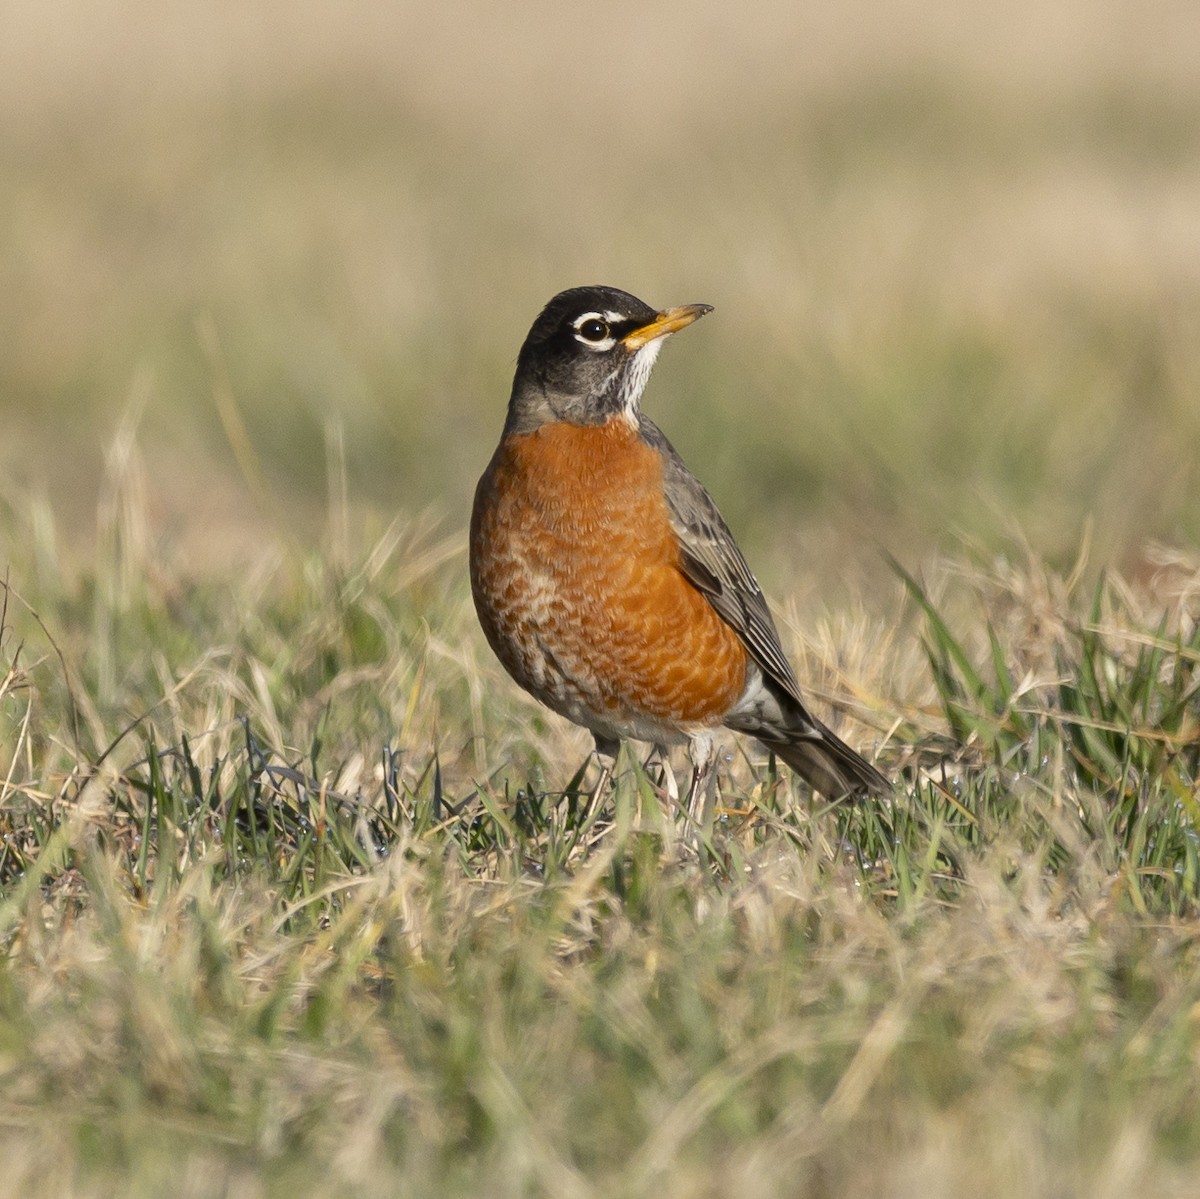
[573, 511]
[576, 574]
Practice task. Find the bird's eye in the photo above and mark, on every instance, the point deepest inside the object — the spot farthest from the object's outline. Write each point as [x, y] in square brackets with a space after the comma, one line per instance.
[594, 329]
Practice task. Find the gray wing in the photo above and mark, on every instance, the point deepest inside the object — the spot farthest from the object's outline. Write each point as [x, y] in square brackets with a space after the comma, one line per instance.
[714, 564]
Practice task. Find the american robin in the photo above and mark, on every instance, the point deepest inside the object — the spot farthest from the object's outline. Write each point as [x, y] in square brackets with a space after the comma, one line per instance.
[606, 580]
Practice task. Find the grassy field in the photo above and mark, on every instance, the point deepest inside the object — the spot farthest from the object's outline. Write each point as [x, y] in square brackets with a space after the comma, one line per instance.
[294, 900]
[298, 894]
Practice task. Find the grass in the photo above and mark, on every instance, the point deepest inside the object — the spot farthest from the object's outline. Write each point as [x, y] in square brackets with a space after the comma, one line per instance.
[298, 895]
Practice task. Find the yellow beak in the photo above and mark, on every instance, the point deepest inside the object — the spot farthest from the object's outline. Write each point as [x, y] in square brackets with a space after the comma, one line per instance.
[664, 324]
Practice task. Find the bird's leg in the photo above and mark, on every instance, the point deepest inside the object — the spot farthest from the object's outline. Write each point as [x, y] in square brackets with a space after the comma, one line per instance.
[670, 786]
[702, 751]
[667, 784]
[606, 752]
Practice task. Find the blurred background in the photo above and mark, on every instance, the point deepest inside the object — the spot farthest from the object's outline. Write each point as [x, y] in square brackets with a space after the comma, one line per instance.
[278, 251]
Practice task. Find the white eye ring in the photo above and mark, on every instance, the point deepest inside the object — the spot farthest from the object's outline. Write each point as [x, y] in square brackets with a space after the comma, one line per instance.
[594, 330]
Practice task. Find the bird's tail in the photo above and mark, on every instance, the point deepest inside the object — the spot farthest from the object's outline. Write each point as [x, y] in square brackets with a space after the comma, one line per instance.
[824, 761]
[776, 716]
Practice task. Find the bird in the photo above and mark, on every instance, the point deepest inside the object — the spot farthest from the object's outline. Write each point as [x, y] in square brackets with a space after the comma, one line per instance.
[606, 580]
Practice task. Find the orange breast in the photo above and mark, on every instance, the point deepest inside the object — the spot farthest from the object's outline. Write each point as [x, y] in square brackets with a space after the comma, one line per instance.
[576, 578]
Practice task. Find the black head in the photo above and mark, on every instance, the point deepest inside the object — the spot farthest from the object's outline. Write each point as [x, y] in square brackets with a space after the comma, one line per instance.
[588, 357]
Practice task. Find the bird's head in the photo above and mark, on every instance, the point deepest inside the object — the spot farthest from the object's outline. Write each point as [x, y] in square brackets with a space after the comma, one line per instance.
[588, 356]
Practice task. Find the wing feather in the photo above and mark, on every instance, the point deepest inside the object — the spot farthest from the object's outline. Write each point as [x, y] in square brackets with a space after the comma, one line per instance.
[711, 559]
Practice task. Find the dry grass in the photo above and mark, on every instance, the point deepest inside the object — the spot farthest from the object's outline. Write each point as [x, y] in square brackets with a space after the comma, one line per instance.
[282, 912]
